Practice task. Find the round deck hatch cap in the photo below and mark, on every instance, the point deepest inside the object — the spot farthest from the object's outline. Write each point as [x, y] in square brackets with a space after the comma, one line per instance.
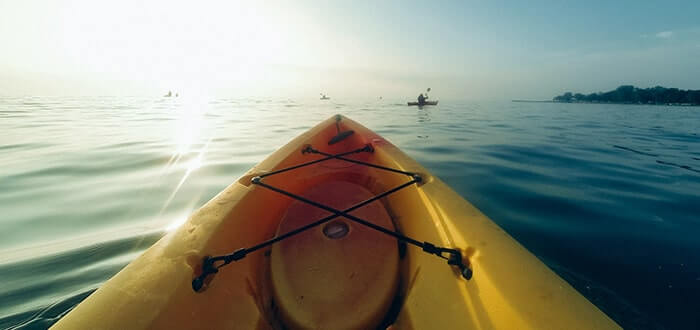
[336, 230]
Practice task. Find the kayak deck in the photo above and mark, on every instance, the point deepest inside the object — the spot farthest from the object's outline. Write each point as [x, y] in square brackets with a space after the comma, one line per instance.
[338, 274]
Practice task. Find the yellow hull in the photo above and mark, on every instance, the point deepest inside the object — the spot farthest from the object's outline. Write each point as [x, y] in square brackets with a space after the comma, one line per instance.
[360, 280]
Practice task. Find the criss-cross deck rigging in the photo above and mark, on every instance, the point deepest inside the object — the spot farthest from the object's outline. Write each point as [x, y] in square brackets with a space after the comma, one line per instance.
[454, 257]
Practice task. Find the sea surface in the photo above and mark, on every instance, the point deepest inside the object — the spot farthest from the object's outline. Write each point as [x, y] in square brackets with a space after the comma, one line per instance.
[608, 196]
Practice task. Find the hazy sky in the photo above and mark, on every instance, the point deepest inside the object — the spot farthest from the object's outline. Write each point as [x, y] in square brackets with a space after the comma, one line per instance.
[461, 49]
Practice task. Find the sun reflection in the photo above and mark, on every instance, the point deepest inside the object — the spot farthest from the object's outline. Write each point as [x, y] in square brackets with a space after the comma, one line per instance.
[190, 121]
[189, 149]
[176, 223]
[194, 164]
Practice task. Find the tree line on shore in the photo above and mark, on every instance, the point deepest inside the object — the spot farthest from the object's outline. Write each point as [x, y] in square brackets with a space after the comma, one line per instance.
[633, 95]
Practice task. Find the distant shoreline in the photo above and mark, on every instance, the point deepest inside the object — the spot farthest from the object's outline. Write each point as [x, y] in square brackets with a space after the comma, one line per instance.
[628, 94]
[622, 103]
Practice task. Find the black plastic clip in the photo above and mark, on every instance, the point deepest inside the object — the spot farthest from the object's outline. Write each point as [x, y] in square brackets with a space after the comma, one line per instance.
[209, 267]
[455, 258]
[307, 149]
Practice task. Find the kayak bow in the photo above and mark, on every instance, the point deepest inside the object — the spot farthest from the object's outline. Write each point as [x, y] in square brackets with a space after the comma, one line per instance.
[344, 235]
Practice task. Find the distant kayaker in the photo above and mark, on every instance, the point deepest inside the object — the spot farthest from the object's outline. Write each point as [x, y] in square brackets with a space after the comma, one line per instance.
[421, 99]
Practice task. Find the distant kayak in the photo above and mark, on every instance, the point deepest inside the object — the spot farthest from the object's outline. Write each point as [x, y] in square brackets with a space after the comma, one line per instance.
[325, 98]
[425, 103]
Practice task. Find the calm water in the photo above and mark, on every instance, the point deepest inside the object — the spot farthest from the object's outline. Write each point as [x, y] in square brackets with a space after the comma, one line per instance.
[606, 195]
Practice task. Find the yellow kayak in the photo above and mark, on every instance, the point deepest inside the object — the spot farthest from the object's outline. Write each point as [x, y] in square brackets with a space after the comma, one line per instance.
[338, 229]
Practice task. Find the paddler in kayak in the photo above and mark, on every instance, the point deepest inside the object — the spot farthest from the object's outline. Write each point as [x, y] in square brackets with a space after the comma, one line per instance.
[421, 99]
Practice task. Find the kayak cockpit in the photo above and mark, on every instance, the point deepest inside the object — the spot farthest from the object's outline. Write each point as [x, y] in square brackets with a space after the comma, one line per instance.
[340, 275]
